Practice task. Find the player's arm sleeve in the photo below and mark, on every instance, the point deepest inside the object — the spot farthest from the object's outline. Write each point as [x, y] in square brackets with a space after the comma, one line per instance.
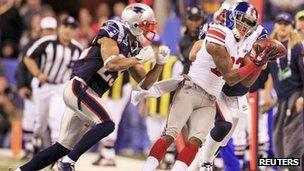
[216, 35]
[260, 82]
[264, 34]
[113, 30]
[203, 31]
[37, 49]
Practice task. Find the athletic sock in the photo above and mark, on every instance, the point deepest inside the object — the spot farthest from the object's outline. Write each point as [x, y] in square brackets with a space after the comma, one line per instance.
[179, 166]
[45, 157]
[209, 150]
[151, 164]
[187, 155]
[157, 153]
[66, 159]
[159, 149]
[92, 137]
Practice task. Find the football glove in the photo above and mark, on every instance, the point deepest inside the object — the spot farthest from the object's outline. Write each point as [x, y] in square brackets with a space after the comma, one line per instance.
[162, 55]
[145, 54]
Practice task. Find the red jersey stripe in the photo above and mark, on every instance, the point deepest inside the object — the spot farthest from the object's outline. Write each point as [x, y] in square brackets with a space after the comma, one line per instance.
[218, 30]
[215, 37]
[217, 34]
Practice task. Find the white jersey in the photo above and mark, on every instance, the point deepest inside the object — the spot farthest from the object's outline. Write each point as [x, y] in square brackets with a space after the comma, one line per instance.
[204, 72]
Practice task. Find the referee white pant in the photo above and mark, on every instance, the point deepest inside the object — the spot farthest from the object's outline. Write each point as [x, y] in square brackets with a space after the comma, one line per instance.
[50, 107]
[29, 114]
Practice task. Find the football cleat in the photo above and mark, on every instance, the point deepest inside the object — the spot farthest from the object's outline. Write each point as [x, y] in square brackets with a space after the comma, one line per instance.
[98, 160]
[206, 166]
[65, 166]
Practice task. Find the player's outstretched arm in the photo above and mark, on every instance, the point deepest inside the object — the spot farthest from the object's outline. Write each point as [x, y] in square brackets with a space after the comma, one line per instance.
[146, 80]
[224, 64]
[114, 61]
[248, 81]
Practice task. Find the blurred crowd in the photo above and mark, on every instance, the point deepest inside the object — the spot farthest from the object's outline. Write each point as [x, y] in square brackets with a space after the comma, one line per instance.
[23, 22]
[20, 19]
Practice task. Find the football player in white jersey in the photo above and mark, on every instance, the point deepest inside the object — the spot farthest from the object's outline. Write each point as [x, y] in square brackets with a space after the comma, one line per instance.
[218, 61]
[232, 103]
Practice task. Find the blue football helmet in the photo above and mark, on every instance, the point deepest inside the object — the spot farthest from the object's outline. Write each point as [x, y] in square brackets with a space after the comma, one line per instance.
[224, 16]
[245, 17]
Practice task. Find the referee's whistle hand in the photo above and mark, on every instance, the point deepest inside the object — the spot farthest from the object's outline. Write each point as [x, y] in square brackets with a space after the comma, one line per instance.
[42, 78]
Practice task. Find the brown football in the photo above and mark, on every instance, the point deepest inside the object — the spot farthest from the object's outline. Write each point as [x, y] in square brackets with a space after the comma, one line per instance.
[277, 49]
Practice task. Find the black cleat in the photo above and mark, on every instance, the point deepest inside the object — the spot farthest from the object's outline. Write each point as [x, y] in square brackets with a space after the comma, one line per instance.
[66, 166]
[207, 166]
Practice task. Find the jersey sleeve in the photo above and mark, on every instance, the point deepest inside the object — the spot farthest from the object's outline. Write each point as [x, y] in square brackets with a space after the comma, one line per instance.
[263, 34]
[37, 49]
[203, 31]
[112, 29]
[216, 34]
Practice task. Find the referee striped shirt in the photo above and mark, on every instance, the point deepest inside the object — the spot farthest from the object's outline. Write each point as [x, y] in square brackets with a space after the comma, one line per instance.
[56, 59]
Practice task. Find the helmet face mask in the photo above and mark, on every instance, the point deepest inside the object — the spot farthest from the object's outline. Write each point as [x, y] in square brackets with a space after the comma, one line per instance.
[140, 20]
[245, 19]
[148, 28]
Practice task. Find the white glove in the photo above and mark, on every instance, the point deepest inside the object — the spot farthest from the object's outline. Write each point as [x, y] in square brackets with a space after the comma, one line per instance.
[163, 55]
[145, 54]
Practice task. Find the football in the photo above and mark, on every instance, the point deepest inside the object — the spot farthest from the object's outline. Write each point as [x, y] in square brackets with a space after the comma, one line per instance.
[277, 49]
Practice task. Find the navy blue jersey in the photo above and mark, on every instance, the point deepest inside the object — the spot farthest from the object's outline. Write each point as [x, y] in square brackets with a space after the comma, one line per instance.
[90, 66]
[260, 82]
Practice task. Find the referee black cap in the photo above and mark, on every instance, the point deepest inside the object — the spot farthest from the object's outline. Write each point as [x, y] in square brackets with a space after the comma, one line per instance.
[70, 21]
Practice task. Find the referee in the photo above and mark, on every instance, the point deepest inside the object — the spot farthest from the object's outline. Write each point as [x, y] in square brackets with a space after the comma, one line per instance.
[48, 26]
[56, 54]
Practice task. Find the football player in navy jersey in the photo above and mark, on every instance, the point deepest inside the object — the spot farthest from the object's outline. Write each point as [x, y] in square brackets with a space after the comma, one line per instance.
[116, 48]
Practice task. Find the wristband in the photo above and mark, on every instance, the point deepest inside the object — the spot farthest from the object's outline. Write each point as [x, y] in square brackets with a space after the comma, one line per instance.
[246, 70]
[256, 73]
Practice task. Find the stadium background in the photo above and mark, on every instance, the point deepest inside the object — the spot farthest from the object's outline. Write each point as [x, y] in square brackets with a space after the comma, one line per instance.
[132, 136]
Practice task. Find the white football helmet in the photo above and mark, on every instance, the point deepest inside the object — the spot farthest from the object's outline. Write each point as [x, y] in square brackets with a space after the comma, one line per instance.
[140, 20]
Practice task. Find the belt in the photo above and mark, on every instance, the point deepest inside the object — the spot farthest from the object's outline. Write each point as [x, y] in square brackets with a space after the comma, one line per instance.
[48, 82]
[188, 81]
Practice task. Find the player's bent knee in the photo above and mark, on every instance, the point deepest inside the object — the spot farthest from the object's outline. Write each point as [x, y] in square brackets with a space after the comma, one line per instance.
[220, 130]
[108, 126]
[66, 143]
[195, 140]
